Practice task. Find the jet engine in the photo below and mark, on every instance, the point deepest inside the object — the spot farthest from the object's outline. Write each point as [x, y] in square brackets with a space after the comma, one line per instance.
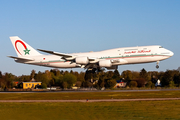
[82, 60]
[105, 63]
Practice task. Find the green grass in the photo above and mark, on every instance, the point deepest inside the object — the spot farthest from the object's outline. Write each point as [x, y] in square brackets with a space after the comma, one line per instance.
[89, 95]
[139, 110]
[136, 110]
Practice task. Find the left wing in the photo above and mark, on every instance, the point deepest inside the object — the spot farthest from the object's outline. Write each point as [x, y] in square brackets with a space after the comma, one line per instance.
[88, 62]
[71, 57]
[63, 55]
[56, 53]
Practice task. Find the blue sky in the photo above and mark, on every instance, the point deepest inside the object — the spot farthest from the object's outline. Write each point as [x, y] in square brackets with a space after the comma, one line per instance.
[71, 26]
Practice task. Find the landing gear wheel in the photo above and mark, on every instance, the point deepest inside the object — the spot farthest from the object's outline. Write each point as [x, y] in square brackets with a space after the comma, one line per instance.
[157, 66]
[91, 70]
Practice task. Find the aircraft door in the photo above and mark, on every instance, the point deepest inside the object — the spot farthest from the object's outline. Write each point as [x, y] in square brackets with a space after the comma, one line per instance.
[120, 53]
[152, 53]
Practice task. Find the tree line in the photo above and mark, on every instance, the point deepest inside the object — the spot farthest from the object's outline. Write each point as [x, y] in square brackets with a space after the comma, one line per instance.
[66, 79]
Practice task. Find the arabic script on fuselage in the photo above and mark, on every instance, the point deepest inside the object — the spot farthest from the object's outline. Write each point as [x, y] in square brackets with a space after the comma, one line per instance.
[139, 51]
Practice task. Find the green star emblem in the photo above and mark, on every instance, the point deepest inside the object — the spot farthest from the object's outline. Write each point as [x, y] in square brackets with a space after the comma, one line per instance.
[26, 51]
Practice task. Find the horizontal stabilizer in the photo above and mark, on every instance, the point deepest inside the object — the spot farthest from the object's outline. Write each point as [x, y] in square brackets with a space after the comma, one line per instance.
[56, 53]
[22, 58]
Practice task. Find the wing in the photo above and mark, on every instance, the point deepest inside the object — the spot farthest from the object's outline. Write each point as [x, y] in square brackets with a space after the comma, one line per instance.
[56, 53]
[68, 56]
[88, 62]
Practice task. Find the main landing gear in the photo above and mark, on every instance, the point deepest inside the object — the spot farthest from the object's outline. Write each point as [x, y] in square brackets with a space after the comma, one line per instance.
[94, 70]
[157, 64]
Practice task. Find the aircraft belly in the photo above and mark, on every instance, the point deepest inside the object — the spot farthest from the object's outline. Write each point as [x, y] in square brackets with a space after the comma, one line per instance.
[63, 65]
[55, 64]
[144, 59]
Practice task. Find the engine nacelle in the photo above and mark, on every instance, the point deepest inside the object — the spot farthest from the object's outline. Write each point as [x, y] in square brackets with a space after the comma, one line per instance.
[82, 60]
[105, 63]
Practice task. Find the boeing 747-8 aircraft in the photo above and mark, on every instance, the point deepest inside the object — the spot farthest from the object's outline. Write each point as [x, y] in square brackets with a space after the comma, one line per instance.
[109, 59]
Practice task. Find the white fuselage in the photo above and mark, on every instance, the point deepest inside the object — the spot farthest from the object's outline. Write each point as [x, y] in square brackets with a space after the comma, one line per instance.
[118, 56]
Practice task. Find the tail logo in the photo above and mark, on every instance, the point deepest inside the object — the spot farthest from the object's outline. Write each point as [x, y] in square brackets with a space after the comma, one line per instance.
[26, 51]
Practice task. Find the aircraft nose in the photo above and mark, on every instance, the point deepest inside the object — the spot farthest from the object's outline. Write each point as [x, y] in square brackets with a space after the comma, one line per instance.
[171, 53]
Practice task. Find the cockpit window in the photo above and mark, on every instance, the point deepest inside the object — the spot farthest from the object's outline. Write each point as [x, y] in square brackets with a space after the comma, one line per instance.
[160, 47]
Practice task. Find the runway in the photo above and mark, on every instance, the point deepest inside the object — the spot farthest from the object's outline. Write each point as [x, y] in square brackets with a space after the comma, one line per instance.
[99, 100]
[82, 91]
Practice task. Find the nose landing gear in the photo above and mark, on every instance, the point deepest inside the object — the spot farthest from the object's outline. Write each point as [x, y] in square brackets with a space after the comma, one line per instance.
[157, 64]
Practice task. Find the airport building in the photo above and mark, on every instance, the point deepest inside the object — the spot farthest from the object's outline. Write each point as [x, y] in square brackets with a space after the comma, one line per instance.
[30, 85]
[120, 84]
